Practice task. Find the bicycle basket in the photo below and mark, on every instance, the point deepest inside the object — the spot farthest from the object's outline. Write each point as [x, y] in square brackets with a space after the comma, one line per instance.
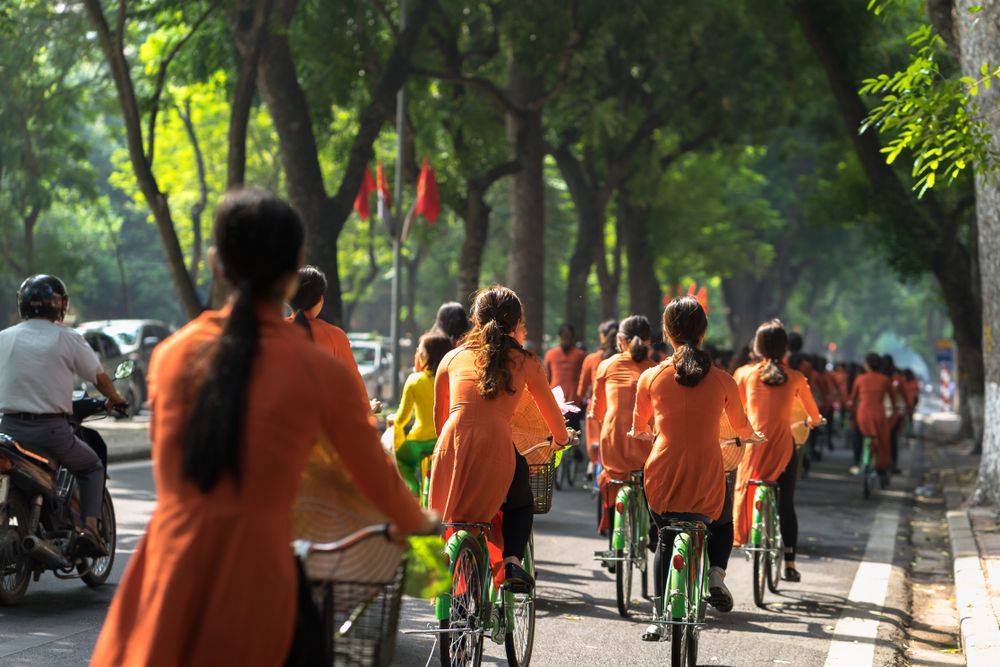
[360, 619]
[541, 477]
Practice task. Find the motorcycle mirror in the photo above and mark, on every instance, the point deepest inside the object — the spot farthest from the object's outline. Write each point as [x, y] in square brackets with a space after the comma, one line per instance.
[124, 369]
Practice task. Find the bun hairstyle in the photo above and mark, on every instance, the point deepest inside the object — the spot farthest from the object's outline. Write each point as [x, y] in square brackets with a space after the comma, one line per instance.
[609, 330]
[258, 238]
[685, 324]
[312, 287]
[771, 344]
[635, 330]
[496, 312]
[435, 345]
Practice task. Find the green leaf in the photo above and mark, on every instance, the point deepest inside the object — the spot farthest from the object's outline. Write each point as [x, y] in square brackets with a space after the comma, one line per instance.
[975, 9]
[427, 567]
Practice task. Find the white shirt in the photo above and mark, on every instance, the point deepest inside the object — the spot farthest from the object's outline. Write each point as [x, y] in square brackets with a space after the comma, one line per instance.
[39, 362]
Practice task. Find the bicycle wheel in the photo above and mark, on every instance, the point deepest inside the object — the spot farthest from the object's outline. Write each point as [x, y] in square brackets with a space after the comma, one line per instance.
[679, 644]
[520, 638]
[466, 611]
[759, 576]
[623, 575]
[692, 646]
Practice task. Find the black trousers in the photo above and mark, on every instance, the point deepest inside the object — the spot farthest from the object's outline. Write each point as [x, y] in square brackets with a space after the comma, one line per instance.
[518, 511]
[894, 441]
[857, 442]
[786, 506]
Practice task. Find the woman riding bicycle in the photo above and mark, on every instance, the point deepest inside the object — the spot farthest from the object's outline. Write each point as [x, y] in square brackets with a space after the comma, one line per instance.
[607, 334]
[614, 402]
[417, 404]
[476, 470]
[868, 400]
[239, 398]
[769, 392]
[685, 397]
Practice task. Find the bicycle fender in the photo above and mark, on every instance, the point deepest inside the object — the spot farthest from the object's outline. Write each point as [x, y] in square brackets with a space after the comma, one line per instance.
[677, 583]
[757, 524]
[624, 496]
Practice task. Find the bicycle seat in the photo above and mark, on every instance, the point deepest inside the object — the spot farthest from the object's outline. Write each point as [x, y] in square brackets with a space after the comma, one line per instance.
[762, 482]
[461, 525]
[686, 526]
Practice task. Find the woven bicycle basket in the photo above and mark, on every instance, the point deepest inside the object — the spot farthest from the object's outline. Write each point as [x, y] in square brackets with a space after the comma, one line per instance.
[329, 508]
[732, 453]
[800, 432]
[530, 433]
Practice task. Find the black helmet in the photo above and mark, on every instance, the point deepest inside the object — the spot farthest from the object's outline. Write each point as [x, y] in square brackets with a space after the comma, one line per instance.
[42, 295]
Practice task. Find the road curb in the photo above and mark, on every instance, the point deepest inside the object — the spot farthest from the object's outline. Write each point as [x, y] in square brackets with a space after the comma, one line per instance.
[980, 632]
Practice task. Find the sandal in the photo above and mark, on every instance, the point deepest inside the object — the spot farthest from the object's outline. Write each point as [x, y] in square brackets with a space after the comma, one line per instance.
[792, 575]
[517, 579]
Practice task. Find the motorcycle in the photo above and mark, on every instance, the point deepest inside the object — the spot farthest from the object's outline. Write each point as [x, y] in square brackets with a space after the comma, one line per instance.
[40, 511]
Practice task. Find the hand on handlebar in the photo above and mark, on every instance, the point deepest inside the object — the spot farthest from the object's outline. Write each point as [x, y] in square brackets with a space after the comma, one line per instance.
[757, 438]
[431, 526]
[121, 406]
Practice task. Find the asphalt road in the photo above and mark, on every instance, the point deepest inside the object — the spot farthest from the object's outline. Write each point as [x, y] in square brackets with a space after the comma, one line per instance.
[849, 609]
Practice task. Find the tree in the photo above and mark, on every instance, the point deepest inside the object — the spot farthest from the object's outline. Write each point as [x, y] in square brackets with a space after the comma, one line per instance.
[112, 43]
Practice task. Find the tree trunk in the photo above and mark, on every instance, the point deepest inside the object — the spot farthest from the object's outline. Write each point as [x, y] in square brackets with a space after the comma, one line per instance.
[644, 297]
[589, 212]
[979, 42]
[952, 264]
[526, 260]
[198, 208]
[749, 302]
[477, 227]
[111, 46]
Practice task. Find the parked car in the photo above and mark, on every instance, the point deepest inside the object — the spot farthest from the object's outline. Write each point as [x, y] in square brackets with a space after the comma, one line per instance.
[135, 339]
[111, 356]
[373, 354]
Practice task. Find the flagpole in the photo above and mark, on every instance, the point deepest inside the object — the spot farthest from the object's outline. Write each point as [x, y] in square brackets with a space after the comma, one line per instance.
[397, 227]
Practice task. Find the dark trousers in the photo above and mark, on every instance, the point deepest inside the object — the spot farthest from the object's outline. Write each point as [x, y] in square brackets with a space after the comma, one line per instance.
[518, 511]
[786, 506]
[53, 438]
[857, 442]
[894, 442]
[665, 545]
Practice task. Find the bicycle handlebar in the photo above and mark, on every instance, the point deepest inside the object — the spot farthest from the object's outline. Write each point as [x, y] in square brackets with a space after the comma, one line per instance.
[302, 548]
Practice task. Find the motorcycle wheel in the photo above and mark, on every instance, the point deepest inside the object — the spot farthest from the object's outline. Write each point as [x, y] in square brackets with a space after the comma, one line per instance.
[14, 584]
[95, 571]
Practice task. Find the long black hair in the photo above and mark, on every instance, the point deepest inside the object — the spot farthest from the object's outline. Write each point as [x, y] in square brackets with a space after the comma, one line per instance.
[636, 331]
[496, 313]
[685, 324]
[771, 344]
[609, 332]
[312, 287]
[452, 320]
[258, 238]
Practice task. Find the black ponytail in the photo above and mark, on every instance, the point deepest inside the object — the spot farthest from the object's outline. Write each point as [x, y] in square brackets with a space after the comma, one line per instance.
[303, 321]
[609, 330]
[258, 238]
[685, 324]
[771, 344]
[636, 331]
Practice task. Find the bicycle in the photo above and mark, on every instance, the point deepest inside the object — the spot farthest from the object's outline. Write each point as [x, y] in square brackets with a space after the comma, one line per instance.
[629, 540]
[476, 608]
[766, 546]
[685, 598]
[359, 619]
[869, 474]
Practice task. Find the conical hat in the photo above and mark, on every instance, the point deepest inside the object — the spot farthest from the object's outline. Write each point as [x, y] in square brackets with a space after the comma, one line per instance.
[800, 432]
[528, 430]
[732, 453]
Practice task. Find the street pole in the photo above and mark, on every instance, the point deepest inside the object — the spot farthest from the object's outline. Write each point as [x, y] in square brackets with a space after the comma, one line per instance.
[397, 227]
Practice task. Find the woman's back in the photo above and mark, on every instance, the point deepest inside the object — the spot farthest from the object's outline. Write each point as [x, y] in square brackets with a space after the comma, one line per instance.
[871, 389]
[615, 386]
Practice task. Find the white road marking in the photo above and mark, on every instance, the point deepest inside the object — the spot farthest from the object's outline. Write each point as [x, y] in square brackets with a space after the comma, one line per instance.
[853, 641]
[129, 465]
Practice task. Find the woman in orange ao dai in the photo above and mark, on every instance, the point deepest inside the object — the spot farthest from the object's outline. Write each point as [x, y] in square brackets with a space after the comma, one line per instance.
[239, 400]
[614, 401]
[682, 401]
[868, 400]
[476, 469]
[607, 334]
[769, 391]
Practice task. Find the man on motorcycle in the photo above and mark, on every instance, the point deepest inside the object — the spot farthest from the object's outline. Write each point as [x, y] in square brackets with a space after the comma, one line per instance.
[39, 361]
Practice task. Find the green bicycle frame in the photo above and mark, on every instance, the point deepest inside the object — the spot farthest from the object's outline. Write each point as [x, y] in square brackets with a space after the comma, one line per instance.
[678, 602]
[866, 452]
[632, 500]
[762, 498]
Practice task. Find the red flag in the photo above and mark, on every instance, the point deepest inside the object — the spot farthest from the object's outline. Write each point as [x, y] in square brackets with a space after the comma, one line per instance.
[383, 188]
[361, 201]
[702, 297]
[428, 200]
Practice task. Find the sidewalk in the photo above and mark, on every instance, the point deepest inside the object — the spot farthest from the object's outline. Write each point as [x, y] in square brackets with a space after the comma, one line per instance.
[127, 440]
[974, 535]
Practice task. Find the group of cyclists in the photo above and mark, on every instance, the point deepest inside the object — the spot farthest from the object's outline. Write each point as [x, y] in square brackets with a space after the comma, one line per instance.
[244, 408]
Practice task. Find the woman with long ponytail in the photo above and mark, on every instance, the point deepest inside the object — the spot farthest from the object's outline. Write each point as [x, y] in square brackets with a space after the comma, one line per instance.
[239, 398]
[476, 469]
[607, 335]
[770, 390]
[614, 400]
[679, 406]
